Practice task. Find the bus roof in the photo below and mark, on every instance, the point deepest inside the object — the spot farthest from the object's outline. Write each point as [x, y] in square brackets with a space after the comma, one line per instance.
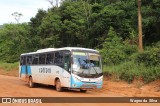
[57, 49]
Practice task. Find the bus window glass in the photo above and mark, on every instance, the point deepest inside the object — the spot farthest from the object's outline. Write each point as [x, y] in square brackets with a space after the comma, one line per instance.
[35, 59]
[66, 62]
[29, 60]
[49, 58]
[58, 58]
[24, 60]
[21, 60]
[42, 58]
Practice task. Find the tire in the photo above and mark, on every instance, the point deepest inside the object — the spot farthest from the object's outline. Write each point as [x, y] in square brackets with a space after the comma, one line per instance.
[82, 90]
[31, 84]
[58, 86]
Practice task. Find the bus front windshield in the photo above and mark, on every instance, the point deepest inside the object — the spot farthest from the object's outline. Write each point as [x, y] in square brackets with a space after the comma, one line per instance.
[87, 65]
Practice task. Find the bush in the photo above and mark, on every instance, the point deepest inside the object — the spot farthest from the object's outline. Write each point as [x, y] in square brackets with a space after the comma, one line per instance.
[149, 58]
[128, 71]
[125, 71]
[151, 74]
[113, 56]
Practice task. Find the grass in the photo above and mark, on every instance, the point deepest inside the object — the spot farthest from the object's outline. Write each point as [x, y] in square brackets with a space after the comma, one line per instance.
[129, 71]
[9, 66]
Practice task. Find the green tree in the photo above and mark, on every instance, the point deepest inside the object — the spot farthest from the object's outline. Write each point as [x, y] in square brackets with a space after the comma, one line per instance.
[49, 30]
[73, 24]
[13, 41]
[151, 19]
[112, 48]
[34, 24]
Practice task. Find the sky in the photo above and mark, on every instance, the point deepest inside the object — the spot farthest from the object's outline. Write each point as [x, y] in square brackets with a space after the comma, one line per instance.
[28, 8]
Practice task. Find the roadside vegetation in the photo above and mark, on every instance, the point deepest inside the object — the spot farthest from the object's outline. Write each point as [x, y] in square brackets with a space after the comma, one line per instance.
[109, 26]
[9, 66]
[122, 61]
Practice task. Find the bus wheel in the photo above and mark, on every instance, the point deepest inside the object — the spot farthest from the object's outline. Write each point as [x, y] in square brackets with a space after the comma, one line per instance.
[58, 85]
[31, 84]
[82, 90]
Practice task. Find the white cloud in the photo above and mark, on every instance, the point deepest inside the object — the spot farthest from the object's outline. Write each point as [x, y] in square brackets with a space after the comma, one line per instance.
[28, 8]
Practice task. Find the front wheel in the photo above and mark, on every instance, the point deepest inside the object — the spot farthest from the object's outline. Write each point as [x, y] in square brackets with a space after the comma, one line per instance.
[31, 84]
[58, 85]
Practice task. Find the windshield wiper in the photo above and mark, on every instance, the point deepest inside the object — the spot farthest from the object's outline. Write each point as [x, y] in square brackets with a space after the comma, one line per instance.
[95, 71]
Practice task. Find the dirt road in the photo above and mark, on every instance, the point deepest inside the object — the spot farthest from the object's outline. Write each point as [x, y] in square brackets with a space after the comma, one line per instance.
[13, 87]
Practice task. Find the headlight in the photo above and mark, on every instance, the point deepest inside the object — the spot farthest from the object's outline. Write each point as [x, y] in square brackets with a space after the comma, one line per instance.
[100, 80]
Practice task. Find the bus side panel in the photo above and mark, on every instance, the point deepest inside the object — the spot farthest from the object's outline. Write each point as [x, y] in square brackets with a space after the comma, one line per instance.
[43, 74]
[62, 74]
[36, 77]
[23, 72]
[20, 72]
[29, 70]
[66, 78]
[47, 74]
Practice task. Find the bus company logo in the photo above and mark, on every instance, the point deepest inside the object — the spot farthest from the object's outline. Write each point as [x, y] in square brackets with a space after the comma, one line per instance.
[21, 100]
[6, 100]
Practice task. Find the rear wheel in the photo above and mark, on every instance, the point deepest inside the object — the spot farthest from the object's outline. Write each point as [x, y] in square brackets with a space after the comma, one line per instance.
[82, 90]
[31, 84]
[58, 85]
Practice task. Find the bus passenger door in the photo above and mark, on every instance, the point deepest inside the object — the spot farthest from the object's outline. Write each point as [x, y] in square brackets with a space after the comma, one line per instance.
[67, 69]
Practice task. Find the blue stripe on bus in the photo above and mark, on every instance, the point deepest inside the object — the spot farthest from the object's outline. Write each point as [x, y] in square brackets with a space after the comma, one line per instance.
[23, 70]
[77, 83]
[29, 70]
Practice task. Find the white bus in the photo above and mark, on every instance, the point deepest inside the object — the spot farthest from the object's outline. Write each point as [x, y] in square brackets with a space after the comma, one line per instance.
[69, 67]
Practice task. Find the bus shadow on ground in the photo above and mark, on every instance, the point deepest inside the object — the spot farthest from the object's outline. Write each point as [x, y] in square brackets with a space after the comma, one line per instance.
[51, 87]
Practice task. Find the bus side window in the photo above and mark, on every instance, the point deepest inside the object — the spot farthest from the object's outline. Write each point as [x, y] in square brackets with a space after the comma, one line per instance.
[49, 58]
[23, 60]
[66, 62]
[58, 58]
[35, 59]
[42, 58]
[29, 60]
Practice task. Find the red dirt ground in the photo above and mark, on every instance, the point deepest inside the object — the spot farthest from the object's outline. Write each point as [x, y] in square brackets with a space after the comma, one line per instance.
[11, 86]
